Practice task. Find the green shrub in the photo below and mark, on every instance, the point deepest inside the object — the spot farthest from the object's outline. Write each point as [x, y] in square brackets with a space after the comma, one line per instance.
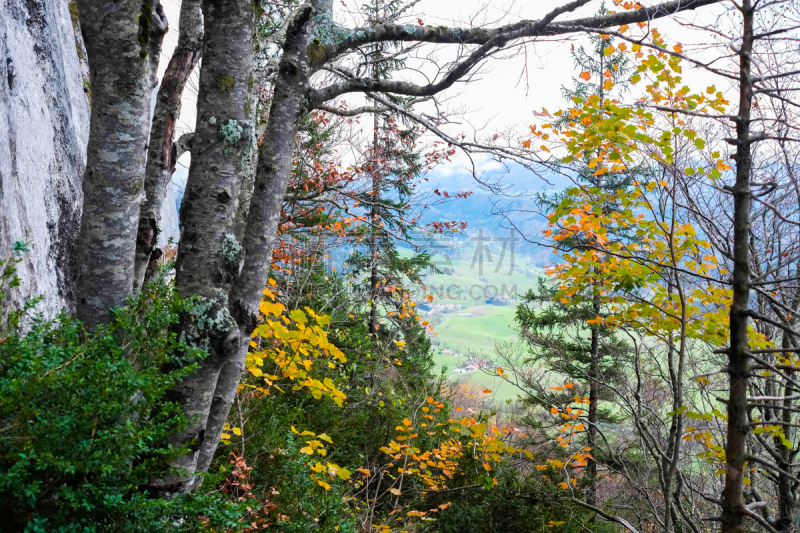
[83, 422]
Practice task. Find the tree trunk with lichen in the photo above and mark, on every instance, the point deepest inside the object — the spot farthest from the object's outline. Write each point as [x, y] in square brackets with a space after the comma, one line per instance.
[274, 167]
[163, 153]
[123, 53]
[210, 257]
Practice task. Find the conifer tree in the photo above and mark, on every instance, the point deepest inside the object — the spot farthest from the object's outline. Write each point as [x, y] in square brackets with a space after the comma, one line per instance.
[395, 163]
[568, 336]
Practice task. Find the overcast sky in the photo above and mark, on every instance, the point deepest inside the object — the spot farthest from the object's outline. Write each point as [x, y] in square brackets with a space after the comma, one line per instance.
[508, 91]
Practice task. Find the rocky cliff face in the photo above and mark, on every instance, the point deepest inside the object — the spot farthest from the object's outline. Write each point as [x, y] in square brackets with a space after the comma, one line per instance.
[44, 128]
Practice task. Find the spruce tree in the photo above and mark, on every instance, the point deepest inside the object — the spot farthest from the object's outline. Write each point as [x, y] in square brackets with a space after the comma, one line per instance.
[395, 165]
[568, 336]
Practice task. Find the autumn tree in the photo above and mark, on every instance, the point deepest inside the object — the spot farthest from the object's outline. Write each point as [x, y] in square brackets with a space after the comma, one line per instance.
[555, 332]
[698, 219]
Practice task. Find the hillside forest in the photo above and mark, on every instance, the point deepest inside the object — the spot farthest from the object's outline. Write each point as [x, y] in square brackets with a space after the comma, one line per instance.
[365, 314]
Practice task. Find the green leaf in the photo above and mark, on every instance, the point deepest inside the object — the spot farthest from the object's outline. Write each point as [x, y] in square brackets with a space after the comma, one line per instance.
[299, 316]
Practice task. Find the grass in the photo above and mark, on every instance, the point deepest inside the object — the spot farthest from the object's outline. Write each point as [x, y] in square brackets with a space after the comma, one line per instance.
[470, 286]
[477, 335]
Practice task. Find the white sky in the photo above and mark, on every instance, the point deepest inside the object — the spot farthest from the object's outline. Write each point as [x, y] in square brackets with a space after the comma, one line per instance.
[505, 95]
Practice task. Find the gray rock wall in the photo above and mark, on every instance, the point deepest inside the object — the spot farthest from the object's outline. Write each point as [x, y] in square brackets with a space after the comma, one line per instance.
[44, 128]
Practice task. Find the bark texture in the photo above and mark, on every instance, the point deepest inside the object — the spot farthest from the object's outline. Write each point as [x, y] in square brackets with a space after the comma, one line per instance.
[230, 277]
[210, 256]
[123, 41]
[163, 153]
[274, 165]
[44, 128]
[733, 503]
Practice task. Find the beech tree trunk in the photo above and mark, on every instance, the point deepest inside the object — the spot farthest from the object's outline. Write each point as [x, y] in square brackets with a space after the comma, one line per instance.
[274, 165]
[733, 504]
[162, 153]
[786, 499]
[123, 52]
[210, 256]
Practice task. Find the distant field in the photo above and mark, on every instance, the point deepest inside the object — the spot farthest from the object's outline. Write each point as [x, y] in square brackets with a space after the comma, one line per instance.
[491, 325]
[477, 335]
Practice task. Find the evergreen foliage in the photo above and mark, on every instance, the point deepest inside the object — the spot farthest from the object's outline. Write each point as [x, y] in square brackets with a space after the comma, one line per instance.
[84, 422]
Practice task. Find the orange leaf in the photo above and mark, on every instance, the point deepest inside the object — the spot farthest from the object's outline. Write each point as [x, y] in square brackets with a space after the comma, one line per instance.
[586, 76]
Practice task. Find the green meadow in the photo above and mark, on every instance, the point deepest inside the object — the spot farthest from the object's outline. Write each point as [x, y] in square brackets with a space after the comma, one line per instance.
[482, 300]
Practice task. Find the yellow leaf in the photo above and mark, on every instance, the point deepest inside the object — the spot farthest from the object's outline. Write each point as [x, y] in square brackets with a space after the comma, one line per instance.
[237, 431]
[396, 492]
[607, 51]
